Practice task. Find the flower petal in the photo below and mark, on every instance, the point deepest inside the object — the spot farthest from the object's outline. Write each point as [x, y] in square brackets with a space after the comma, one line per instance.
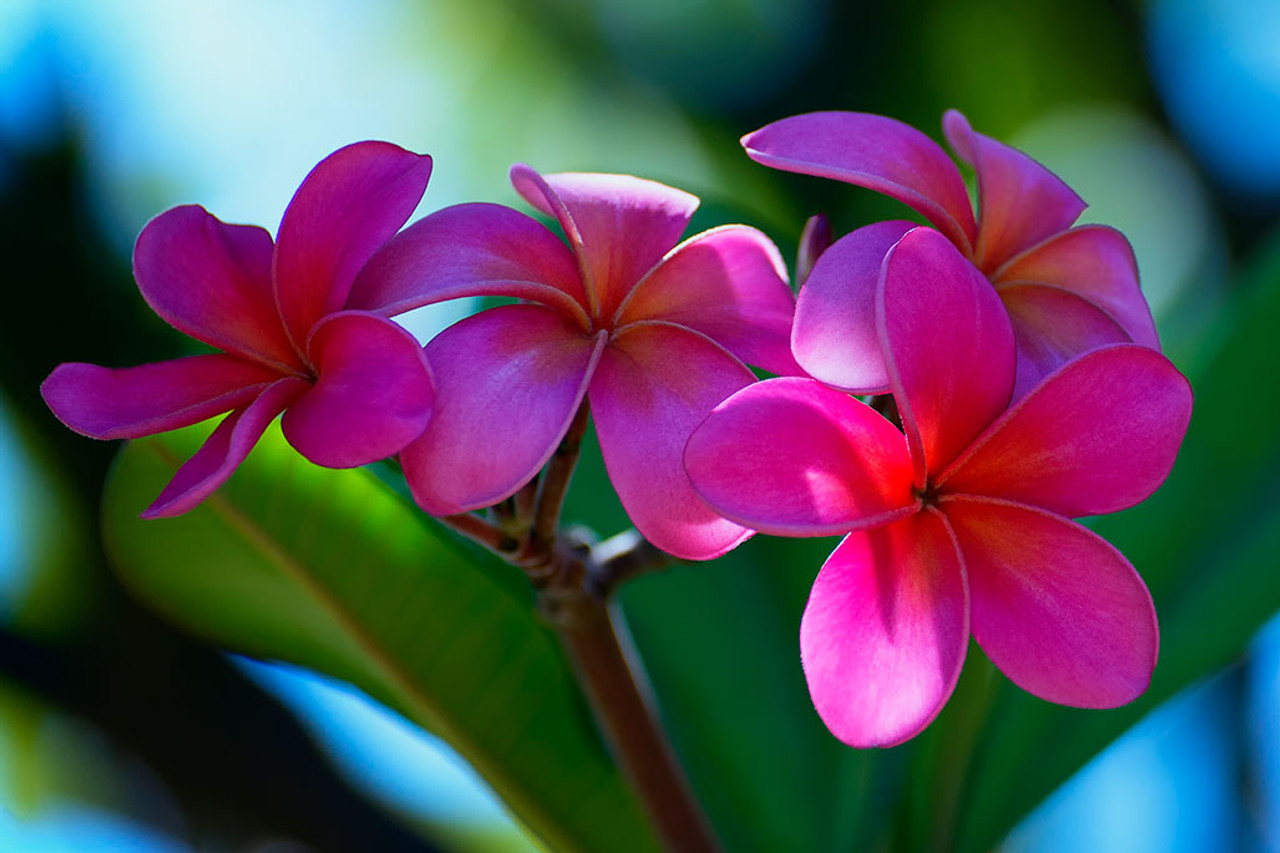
[875, 152]
[792, 457]
[948, 347]
[1097, 436]
[213, 282]
[470, 250]
[1096, 263]
[655, 383]
[373, 394]
[351, 203]
[508, 382]
[1051, 327]
[129, 402]
[224, 450]
[834, 337]
[730, 284]
[620, 226]
[1054, 605]
[1020, 202]
[885, 631]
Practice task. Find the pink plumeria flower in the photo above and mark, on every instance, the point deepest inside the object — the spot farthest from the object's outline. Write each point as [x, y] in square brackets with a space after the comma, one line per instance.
[354, 386]
[653, 333]
[1067, 290]
[963, 524]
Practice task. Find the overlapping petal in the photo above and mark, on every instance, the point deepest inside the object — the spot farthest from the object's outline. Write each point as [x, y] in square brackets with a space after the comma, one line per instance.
[213, 282]
[885, 631]
[508, 382]
[1052, 326]
[619, 225]
[371, 397]
[875, 152]
[351, 203]
[834, 337]
[1098, 436]
[655, 383]
[1097, 264]
[792, 457]
[470, 250]
[129, 402]
[948, 347]
[1055, 606]
[224, 450]
[730, 284]
[1020, 202]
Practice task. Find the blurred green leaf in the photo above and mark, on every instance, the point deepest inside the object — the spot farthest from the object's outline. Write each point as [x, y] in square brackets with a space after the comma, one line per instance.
[331, 570]
[1208, 544]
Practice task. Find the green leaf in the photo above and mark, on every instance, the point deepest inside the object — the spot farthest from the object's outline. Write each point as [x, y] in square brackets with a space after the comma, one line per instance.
[1208, 544]
[333, 571]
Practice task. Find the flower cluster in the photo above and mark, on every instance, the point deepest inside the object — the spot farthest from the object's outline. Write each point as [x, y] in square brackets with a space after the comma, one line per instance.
[1020, 354]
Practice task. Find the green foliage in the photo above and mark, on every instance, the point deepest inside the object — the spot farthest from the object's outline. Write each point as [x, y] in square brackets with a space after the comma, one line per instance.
[331, 570]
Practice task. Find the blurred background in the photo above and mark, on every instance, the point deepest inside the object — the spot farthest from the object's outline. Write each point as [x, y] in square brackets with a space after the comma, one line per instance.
[120, 733]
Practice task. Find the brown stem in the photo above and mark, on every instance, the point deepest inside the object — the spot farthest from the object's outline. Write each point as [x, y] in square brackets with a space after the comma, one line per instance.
[555, 485]
[599, 647]
[477, 529]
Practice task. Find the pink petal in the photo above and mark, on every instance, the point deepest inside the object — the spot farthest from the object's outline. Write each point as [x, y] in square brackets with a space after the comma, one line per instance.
[1096, 263]
[129, 402]
[792, 457]
[948, 347]
[470, 250]
[1097, 436]
[815, 239]
[874, 152]
[620, 226]
[834, 337]
[372, 397]
[1051, 327]
[730, 284]
[213, 282]
[1054, 605]
[224, 450]
[885, 631]
[350, 204]
[508, 382]
[1020, 202]
[655, 383]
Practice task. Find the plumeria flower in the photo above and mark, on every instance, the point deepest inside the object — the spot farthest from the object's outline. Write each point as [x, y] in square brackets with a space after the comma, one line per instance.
[354, 386]
[654, 334]
[1067, 290]
[963, 524]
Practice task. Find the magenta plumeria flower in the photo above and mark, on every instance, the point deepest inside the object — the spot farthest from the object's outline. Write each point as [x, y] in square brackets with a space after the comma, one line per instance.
[654, 334]
[1067, 290]
[354, 386]
[963, 524]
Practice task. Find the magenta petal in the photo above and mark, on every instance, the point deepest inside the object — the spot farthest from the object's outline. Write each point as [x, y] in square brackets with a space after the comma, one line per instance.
[834, 338]
[129, 402]
[792, 457]
[1020, 202]
[373, 394]
[619, 225]
[347, 207]
[1054, 605]
[224, 450]
[1051, 327]
[1097, 264]
[212, 281]
[508, 382]
[949, 348]
[730, 284]
[470, 250]
[885, 631]
[655, 383]
[1099, 435]
[874, 152]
